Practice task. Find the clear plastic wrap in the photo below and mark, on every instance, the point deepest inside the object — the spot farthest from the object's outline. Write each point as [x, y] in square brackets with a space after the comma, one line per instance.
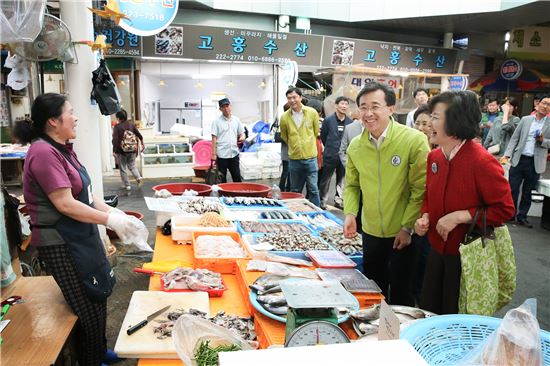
[516, 342]
[135, 234]
[189, 331]
[21, 20]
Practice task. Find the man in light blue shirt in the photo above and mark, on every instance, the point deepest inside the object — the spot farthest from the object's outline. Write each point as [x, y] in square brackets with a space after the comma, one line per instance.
[528, 151]
[227, 131]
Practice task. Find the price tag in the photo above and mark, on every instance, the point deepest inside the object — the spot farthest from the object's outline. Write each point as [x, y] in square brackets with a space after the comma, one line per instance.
[389, 323]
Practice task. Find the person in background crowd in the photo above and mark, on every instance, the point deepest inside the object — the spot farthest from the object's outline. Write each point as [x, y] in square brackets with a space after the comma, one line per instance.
[503, 128]
[536, 101]
[386, 165]
[64, 217]
[284, 182]
[421, 97]
[423, 123]
[227, 132]
[462, 167]
[126, 147]
[487, 119]
[299, 130]
[527, 152]
[332, 130]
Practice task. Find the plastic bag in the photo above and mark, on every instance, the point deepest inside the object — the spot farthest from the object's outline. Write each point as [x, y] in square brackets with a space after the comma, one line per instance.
[163, 193]
[189, 331]
[189, 193]
[137, 237]
[21, 20]
[515, 342]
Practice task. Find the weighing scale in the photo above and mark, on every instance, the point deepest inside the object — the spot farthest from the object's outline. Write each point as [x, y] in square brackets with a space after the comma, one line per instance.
[312, 317]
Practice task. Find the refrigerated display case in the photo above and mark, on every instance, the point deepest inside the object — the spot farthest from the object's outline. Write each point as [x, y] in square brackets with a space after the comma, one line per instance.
[167, 158]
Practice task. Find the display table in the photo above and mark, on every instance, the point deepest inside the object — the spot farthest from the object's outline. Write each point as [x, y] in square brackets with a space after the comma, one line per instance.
[544, 189]
[40, 326]
[235, 299]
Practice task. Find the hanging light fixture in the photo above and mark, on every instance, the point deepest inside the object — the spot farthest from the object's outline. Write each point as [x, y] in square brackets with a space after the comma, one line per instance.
[230, 84]
[263, 84]
[199, 85]
[161, 81]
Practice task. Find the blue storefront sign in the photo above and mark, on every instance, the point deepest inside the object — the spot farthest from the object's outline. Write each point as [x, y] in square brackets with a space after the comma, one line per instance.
[147, 17]
[511, 69]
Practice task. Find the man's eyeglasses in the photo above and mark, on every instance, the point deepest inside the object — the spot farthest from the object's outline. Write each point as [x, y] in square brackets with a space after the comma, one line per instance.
[373, 109]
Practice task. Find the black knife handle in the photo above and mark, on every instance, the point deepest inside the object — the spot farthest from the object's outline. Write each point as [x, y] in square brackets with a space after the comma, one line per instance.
[136, 327]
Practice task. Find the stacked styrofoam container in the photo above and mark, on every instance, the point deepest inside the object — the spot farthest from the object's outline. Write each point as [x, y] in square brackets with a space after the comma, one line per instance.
[251, 166]
[271, 163]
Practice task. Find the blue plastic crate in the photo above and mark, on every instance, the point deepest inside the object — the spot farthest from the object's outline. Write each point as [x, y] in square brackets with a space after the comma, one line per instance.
[358, 259]
[445, 339]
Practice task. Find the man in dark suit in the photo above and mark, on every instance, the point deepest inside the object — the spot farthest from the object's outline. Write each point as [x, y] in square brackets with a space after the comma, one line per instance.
[528, 151]
[332, 130]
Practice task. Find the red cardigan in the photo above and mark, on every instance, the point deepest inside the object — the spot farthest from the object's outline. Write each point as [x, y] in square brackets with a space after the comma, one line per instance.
[472, 179]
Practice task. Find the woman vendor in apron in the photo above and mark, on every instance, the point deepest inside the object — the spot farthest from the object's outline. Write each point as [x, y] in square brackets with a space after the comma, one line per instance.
[64, 217]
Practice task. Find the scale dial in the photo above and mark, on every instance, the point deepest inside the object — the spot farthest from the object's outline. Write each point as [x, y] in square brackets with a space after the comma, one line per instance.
[316, 333]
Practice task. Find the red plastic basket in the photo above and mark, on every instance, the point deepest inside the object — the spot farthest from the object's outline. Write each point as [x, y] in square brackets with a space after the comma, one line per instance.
[211, 293]
[178, 188]
[244, 190]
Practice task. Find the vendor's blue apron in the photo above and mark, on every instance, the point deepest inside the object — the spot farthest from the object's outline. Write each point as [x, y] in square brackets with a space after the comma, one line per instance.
[85, 244]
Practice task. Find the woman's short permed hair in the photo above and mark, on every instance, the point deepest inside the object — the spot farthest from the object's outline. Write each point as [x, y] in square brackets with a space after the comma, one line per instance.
[463, 113]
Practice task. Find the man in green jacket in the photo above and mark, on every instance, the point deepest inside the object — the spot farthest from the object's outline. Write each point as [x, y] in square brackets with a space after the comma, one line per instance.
[387, 165]
[299, 130]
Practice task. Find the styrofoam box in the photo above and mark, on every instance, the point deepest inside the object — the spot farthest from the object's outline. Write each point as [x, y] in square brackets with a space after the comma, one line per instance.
[271, 175]
[184, 226]
[271, 146]
[248, 156]
[268, 170]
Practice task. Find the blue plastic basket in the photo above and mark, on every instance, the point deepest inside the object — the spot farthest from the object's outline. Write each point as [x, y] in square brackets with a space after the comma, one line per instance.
[445, 339]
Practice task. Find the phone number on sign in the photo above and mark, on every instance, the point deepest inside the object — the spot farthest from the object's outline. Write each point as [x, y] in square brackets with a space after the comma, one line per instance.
[224, 56]
[275, 60]
[123, 52]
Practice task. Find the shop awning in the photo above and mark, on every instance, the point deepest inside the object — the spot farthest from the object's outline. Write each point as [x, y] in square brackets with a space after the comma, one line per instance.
[529, 80]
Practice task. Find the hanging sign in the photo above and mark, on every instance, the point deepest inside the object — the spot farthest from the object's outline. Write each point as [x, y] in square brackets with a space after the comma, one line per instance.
[147, 18]
[458, 83]
[511, 69]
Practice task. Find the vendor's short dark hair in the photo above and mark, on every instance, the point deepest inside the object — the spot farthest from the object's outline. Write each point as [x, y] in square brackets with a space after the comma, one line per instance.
[122, 115]
[544, 96]
[418, 90]
[462, 115]
[293, 90]
[423, 109]
[374, 86]
[341, 99]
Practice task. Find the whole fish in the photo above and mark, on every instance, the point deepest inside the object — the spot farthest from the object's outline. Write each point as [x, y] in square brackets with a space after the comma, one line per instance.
[270, 290]
[368, 314]
[266, 282]
[277, 310]
[367, 328]
[412, 312]
[277, 299]
[402, 319]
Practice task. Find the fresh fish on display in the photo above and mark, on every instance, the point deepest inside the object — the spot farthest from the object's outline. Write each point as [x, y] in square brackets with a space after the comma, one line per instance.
[276, 299]
[272, 290]
[368, 314]
[335, 236]
[277, 310]
[273, 227]
[402, 319]
[293, 242]
[193, 279]
[240, 326]
[251, 201]
[367, 328]
[266, 282]
[405, 310]
[218, 246]
[320, 221]
[200, 205]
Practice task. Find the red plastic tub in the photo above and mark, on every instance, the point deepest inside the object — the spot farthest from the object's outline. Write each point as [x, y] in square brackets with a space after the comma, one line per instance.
[177, 189]
[112, 235]
[244, 190]
[290, 195]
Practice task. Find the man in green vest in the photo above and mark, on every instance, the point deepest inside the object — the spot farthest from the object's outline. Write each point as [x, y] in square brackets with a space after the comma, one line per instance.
[299, 130]
[386, 166]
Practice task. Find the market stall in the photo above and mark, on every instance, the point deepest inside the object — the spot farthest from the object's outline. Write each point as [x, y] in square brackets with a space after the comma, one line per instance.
[279, 246]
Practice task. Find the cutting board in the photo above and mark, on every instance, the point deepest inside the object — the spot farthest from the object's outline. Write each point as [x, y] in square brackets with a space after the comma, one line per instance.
[144, 343]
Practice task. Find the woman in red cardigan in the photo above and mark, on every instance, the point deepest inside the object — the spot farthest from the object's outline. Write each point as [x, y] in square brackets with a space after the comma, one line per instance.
[462, 176]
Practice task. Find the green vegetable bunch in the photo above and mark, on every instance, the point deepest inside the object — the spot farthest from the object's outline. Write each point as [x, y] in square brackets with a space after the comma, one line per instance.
[208, 356]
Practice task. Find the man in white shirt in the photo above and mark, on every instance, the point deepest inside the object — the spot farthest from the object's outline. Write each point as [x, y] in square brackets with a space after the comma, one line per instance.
[528, 151]
[420, 96]
[227, 131]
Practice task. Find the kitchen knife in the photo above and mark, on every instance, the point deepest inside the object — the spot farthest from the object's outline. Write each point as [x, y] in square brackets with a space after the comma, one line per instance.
[143, 323]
